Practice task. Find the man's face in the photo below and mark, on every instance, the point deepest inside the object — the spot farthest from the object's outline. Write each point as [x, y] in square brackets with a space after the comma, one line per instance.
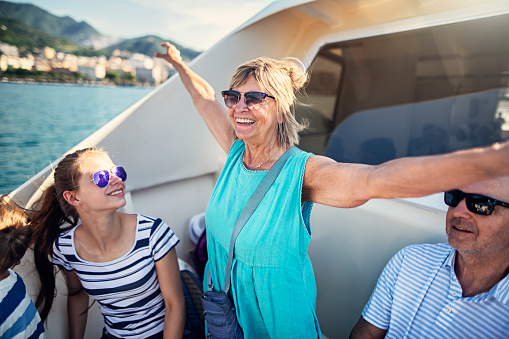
[477, 234]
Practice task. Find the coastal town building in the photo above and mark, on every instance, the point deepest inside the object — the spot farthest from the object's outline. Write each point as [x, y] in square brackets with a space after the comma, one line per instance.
[124, 64]
[11, 58]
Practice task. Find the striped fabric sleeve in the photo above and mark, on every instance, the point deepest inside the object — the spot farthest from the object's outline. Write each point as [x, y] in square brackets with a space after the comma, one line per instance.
[18, 315]
[162, 239]
[378, 308]
[58, 258]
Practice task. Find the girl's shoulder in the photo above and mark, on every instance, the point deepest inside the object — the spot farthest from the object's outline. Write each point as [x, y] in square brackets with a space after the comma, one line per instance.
[68, 234]
[152, 224]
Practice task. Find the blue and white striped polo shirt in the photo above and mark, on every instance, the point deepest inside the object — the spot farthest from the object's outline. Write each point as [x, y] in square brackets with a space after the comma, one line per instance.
[126, 289]
[18, 315]
[419, 296]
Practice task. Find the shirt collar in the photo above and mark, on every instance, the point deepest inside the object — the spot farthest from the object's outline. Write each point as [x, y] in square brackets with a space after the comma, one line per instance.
[500, 291]
[451, 258]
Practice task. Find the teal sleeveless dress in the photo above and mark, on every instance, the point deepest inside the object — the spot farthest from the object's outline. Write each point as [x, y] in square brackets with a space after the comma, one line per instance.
[272, 280]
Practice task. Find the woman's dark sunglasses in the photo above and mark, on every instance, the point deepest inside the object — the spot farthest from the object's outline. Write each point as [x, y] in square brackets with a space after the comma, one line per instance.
[476, 203]
[253, 99]
[102, 178]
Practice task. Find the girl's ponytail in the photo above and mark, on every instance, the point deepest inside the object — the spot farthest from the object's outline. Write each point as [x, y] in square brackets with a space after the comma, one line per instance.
[47, 220]
[50, 216]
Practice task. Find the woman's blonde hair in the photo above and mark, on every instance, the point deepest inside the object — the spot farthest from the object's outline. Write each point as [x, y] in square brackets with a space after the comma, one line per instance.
[283, 79]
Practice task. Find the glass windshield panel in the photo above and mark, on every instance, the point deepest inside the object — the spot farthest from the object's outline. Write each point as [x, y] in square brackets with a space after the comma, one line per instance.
[422, 92]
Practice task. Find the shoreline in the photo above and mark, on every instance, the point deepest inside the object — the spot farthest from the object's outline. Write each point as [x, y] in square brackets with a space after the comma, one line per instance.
[73, 83]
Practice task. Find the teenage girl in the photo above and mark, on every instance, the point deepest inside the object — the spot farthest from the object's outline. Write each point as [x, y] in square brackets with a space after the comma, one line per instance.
[127, 262]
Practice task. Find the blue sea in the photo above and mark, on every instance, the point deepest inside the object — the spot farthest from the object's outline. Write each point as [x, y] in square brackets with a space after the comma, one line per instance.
[40, 122]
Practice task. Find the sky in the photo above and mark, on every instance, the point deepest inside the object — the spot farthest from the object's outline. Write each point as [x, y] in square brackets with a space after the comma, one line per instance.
[198, 24]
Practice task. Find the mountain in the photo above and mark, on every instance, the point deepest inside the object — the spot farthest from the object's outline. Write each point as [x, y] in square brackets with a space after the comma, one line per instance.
[32, 27]
[14, 33]
[61, 27]
[149, 45]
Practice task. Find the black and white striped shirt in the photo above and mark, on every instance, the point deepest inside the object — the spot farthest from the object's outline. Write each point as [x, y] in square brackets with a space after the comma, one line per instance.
[126, 288]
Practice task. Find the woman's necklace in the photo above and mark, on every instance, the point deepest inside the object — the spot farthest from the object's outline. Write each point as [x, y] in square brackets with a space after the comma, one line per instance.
[270, 156]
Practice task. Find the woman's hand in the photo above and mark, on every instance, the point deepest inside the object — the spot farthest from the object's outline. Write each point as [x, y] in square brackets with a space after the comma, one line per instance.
[172, 54]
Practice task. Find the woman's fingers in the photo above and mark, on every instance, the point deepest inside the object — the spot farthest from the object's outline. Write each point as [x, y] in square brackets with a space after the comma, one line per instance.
[172, 53]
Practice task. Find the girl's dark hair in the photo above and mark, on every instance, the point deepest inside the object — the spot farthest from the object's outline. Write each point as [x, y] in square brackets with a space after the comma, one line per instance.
[15, 235]
[52, 215]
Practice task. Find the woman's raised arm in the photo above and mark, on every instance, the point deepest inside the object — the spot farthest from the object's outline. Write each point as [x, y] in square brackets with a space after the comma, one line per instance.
[349, 185]
[204, 98]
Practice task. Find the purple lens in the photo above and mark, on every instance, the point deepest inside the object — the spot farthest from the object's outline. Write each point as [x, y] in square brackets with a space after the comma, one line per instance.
[102, 178]
[120, 172]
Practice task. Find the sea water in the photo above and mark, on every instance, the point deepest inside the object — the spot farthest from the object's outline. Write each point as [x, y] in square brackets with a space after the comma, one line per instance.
[40, 122]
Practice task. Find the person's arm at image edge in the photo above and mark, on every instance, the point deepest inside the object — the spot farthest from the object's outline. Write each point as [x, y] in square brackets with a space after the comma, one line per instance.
[77, 305]
[168, 274]
[365, 330]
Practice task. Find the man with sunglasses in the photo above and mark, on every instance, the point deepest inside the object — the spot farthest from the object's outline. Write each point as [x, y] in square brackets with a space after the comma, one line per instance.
[454, 290]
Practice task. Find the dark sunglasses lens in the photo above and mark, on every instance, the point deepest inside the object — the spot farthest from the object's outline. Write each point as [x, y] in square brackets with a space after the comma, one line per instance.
[120, 172]
[480, 205]
[452, 198]
[231, 98]
[102, 178]
[477, 204]
[253, 98]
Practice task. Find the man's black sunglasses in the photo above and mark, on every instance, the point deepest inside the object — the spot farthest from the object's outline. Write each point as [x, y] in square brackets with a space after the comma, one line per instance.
[476, 203]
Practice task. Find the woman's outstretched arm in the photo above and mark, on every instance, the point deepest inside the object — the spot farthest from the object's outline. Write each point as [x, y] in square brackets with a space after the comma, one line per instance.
[204, 98]
[349, 185]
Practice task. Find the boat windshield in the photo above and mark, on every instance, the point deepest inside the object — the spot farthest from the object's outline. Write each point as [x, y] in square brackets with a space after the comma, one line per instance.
[422, 92]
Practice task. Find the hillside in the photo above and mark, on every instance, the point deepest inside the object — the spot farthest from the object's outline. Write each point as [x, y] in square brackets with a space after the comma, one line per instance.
[14, 33]
[28, 26]
[37, 18]
[149, 45]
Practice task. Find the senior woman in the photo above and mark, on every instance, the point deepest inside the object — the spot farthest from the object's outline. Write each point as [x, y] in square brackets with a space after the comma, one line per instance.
[272, 279]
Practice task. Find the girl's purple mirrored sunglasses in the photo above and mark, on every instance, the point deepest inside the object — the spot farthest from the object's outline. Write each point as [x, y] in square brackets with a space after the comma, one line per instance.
[102, 178]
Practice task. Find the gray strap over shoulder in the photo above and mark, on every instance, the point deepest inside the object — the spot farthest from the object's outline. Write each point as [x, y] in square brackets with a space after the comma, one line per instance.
[251, 206]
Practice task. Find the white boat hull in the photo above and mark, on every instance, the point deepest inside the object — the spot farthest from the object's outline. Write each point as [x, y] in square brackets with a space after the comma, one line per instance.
[173, 161]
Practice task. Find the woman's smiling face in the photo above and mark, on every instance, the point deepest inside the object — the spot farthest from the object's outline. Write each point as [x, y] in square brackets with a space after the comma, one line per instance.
[254, 126]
